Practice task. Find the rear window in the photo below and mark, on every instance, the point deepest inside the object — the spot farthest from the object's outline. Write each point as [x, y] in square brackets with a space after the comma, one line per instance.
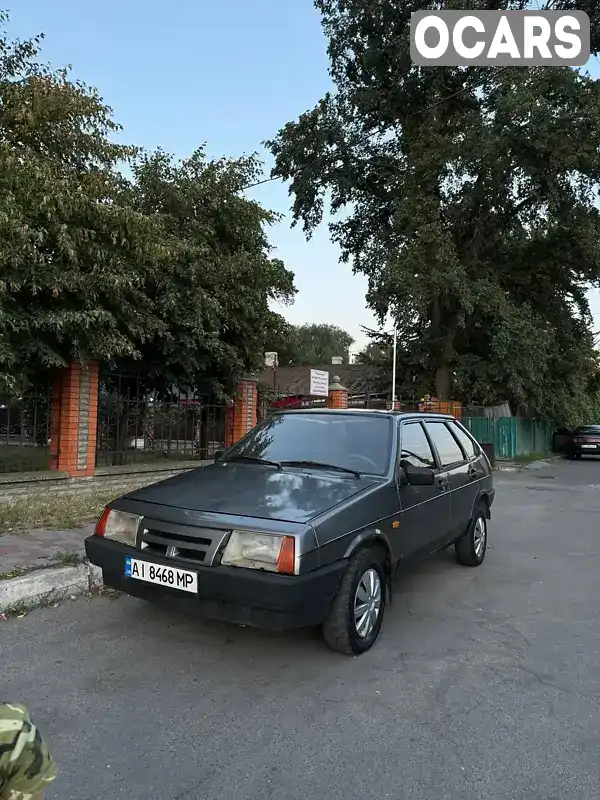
[593, 430]
[446, 445]
[467, 443]
[356, 441]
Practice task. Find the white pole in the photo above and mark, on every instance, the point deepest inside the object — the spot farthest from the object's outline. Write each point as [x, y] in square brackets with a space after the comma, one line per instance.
[394, 369]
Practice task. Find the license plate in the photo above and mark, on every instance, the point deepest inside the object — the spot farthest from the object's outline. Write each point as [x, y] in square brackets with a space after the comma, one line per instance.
[174, 578]
[590, 446]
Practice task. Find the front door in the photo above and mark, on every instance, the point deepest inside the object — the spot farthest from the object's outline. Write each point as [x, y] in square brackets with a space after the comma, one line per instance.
[453, 460]
[425, 519]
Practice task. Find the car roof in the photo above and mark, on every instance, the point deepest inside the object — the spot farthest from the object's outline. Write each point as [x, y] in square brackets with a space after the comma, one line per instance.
[365, 412]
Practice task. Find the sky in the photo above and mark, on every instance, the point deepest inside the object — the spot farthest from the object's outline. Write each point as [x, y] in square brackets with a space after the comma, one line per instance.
[228, 74]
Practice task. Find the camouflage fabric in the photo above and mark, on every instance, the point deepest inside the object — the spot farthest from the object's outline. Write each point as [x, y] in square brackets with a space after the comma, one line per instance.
[26, 766]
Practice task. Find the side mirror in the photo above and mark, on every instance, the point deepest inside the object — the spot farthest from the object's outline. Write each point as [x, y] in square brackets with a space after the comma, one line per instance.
[418, 476]
[219, 454]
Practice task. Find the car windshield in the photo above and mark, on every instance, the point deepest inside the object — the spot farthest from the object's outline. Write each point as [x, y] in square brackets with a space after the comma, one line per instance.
[590, 429]
[352, 441]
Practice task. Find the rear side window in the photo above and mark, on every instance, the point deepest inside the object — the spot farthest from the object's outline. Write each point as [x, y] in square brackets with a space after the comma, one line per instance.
[467, 443]
[446, 444]
[415, 446]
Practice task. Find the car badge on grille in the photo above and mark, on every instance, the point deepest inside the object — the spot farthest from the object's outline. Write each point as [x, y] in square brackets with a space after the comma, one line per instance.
[172, 552]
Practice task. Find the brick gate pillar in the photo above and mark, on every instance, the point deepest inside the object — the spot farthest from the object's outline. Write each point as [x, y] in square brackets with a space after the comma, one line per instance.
[242, 413]
[74, 419]
[338, 394]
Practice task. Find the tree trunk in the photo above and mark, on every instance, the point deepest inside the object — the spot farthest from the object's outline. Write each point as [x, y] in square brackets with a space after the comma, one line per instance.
[444, 382]
[443, 326]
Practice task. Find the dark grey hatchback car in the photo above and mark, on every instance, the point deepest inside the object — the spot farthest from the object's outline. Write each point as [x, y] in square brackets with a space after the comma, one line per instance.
[303, 522]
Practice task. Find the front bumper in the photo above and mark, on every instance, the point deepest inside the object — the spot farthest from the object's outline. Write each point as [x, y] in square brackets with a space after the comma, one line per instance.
[231, 594]
[579, 450]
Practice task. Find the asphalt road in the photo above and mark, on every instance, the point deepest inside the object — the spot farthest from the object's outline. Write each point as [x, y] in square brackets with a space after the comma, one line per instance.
[485, 682]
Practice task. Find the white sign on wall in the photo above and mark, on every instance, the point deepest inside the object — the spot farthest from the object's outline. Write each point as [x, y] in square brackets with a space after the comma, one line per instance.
[319, 383]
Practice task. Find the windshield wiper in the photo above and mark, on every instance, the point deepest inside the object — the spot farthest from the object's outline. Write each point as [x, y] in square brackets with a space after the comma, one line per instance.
[320, 465]
[255, 460]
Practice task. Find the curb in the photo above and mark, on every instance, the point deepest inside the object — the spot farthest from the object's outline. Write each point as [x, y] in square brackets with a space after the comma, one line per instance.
[515, 466]
[46, 585]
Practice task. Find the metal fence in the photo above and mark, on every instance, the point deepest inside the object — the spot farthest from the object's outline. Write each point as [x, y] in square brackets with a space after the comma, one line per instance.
[511, 437]
[25, 431]
[139, 425]
[270, 401]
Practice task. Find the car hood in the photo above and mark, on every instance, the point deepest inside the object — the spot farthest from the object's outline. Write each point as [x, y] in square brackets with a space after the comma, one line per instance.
[290, 494]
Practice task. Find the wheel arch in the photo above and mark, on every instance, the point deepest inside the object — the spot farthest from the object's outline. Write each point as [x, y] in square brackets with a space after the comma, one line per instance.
[483, 499]
[370, 538]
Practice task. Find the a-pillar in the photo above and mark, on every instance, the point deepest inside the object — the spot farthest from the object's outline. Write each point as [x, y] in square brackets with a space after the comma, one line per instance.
[74, 420]
[338, 394]
[241, 414]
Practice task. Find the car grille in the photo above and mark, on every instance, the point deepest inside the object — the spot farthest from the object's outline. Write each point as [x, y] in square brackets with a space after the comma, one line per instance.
[196, 549]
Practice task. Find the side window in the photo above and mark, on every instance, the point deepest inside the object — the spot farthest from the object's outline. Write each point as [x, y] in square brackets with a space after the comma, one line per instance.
[467, 443]
[415, 446]
[446, 444]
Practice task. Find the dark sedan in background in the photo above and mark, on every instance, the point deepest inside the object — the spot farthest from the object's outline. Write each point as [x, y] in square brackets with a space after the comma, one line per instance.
[584, 441]
[303, 522]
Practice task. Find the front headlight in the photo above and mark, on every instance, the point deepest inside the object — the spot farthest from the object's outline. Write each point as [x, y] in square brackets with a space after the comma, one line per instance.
[120, 526]
[260, 551]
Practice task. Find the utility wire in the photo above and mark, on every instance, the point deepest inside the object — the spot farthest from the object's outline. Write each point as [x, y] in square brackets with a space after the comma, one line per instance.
[431, 106]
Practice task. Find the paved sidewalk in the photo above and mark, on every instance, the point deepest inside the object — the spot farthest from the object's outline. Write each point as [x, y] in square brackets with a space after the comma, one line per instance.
[24, 550]
[43, 566]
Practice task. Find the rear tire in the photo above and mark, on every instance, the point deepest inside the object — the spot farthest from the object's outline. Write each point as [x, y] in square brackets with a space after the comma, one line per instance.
[471, 548]
[356, 613]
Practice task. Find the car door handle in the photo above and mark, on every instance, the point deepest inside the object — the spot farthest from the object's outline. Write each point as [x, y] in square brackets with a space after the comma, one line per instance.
[443, 483]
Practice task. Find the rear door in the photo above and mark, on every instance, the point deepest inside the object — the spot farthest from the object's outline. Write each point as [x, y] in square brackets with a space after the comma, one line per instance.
[454, 463]
[425, 517]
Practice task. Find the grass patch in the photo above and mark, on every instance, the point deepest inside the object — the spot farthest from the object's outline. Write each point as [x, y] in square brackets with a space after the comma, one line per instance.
[59, 510]
[528, 458]
[69, 559]
[59, 559]
[22, 458]
[154, 457]
[17, 572]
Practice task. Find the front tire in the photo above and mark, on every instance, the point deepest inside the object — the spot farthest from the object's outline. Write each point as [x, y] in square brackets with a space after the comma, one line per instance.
[471, 548]
[356, 614]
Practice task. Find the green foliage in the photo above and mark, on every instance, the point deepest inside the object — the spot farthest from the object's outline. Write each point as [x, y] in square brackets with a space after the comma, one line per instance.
[412, 363]
[169, 272]
[467, 198]
[214, 298]
[311, 345]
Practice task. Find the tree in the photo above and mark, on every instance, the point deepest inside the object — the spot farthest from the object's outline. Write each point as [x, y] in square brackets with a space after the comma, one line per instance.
[311, 344]
[73, 263]
[215, 297]
[169, 273]
[411, 364]
[376, 352]
[469, 203]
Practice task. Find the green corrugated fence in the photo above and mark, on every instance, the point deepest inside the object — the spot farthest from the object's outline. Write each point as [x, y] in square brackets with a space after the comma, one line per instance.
[511, 436]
